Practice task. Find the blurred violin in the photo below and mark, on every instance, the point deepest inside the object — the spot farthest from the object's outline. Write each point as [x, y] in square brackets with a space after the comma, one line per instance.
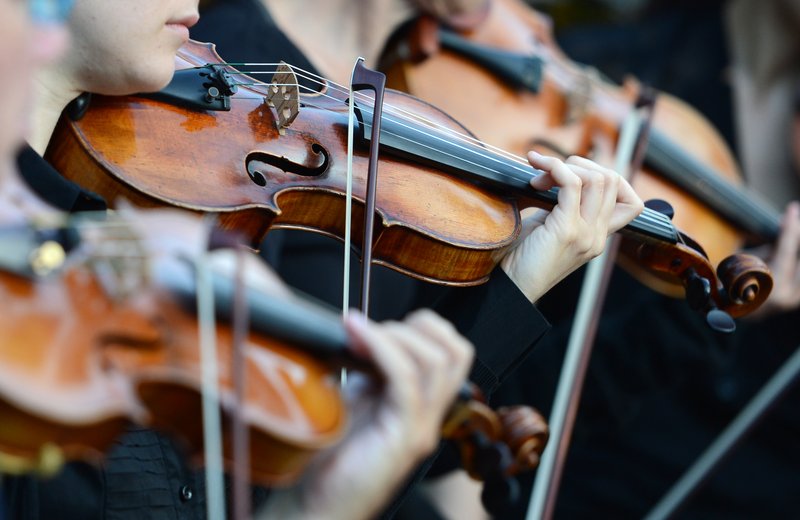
[100, 332]
[507, 78]
[99, 343]
[263, 155]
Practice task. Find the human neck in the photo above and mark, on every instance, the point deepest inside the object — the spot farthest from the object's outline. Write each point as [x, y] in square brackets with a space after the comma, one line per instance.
[341, 31]
[53, 91]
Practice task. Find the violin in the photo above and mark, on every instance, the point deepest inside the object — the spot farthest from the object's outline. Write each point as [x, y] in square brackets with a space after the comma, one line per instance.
[99, 345]
[101, 333]
[508, 78]
[268, 155]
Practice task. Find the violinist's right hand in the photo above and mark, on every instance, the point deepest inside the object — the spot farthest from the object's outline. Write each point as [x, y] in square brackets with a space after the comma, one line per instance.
[424, 361]
[593, 202]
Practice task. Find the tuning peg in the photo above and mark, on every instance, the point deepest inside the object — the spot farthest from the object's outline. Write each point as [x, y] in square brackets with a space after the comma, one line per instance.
[499, 494]
[720, 321]
[698, 295]
[698, 291]
[491, 458]
[662, 206]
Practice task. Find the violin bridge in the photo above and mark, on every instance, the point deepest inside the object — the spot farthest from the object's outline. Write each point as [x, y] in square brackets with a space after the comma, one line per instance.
[284, 96]
[580, 97]
[116, 256]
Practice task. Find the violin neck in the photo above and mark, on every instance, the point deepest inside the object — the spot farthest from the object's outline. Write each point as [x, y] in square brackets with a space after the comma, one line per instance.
[311, 327]
[740, 207]
[517, 70]
[509, 175]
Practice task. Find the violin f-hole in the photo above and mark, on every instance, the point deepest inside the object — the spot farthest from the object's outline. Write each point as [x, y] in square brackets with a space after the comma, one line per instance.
[261, 165]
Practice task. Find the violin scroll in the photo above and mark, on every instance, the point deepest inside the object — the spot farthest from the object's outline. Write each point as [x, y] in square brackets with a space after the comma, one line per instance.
[742, 285]
[747, 279]
[495, 446]
[526, 433]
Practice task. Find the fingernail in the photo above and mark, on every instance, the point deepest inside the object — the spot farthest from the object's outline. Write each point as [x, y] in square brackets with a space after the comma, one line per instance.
[356, 324]
[358, 321]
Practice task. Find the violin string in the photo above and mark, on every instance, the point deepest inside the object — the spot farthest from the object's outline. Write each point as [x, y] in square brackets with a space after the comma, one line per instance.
[319, 80]
[416, 129]
[658, 221]
[653, 220]
[314, 78]
[394, 110]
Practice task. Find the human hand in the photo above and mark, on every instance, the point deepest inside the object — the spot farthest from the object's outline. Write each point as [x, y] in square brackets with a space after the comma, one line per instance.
[784, 262]
[424, 362]
[593, 202]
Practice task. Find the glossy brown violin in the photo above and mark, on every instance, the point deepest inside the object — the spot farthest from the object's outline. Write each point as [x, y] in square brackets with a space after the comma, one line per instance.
[98, 343]
[263, 155]
[508, 79]
[99, 332]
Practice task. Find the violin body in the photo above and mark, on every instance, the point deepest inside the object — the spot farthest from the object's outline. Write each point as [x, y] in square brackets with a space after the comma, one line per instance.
[432, 226]
[58, 399]
[573, 112]
[292, 405]
[82, 359]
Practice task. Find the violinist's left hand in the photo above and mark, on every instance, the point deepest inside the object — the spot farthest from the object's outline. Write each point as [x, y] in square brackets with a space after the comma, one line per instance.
[784, 262]
[593, 202]
[424, 362]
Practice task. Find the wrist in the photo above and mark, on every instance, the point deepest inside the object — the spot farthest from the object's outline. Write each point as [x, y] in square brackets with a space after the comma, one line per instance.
[525, 283]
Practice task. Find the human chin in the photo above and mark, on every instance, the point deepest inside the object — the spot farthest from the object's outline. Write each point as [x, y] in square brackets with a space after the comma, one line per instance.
[161, 65]
[160, 75]
[144, 77]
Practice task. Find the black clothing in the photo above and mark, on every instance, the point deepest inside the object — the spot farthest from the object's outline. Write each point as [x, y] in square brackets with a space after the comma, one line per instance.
[142, 476]
[660, 387]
